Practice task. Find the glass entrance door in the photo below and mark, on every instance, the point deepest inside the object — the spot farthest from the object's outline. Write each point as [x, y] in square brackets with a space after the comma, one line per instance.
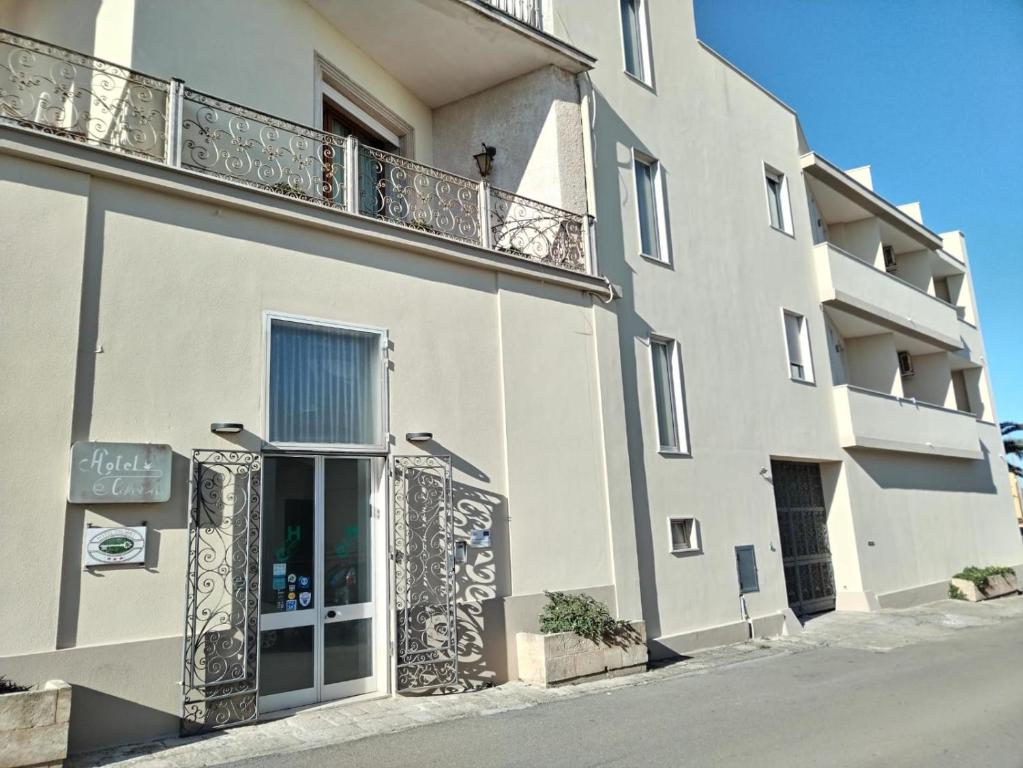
[322, 629]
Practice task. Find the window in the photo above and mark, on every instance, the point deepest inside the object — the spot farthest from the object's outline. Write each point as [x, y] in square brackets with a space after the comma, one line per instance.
[326, 384]
[941, 289]
[798, 344]
[746, 565]
[650, 206]
[635, 39]
[684, 535]
[778, 212]
[667, 373]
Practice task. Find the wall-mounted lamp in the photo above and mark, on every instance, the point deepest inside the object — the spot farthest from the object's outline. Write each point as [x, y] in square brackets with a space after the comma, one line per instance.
[765, 473]
[226, 427]
[419, 437]
[485, 160]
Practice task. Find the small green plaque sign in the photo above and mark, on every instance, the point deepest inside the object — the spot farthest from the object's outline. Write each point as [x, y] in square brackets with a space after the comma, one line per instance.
[114, 546]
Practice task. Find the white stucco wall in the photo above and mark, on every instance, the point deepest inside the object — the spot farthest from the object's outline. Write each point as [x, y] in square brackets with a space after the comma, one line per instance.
[43, 216]
[176, 302]
[535, 124]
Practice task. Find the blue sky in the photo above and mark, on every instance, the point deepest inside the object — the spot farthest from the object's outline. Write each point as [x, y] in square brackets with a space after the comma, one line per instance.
[930, 94]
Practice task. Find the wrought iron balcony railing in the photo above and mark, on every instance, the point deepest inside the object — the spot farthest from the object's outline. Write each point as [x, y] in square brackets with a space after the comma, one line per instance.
[77, 97]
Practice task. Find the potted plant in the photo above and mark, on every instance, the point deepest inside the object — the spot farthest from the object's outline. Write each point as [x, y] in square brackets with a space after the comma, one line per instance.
[579, 639]
[976, 584]
[34, 723]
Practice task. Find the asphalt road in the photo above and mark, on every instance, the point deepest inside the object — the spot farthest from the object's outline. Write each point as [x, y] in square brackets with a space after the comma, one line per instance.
[955, 702]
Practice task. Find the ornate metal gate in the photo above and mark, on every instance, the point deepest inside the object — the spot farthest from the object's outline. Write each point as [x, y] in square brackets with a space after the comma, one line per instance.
[222, 599]
[424, 573]
[803, 527]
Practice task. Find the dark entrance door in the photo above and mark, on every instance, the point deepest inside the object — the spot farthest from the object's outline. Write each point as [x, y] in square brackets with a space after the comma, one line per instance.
[803, 527]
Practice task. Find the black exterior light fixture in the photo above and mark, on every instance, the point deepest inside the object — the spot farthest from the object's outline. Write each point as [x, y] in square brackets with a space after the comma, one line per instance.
[485, 160]
[226, 427]
[419, 437]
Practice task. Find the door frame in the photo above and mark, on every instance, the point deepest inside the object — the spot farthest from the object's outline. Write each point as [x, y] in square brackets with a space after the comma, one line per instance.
[380, 611]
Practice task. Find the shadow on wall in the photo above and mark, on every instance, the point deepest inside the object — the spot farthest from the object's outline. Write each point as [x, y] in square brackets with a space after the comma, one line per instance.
[485, 576]
[611, 133]
[925, 473]
[89, 731]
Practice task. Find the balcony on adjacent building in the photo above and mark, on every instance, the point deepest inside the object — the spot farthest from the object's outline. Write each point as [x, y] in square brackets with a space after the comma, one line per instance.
[876, 301]
[877, 421]
[79, 98]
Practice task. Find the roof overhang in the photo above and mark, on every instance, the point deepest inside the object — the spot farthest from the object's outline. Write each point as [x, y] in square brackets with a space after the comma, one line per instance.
[445, 50]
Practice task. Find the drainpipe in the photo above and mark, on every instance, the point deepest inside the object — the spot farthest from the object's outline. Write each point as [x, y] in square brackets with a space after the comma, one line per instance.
[744, 612]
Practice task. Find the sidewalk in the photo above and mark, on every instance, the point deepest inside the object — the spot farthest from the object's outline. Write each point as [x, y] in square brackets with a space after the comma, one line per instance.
[337, 723]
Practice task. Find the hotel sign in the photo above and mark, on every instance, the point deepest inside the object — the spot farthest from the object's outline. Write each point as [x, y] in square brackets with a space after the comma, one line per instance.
[119, 473]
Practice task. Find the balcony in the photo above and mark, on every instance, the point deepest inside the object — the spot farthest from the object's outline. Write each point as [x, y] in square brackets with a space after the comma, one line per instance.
[868, 419]
[859, 289]
[446, 50]
[75, 97]
[527, 11]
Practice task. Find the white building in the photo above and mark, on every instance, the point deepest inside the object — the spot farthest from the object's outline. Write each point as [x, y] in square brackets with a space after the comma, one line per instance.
[665, 353]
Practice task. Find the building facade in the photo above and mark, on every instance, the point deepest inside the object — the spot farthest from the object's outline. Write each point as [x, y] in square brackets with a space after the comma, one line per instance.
[366, 407]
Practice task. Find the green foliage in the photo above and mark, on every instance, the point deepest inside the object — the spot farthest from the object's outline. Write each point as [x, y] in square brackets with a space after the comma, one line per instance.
[581, 614]
[979, 576]
[954, 593]
[8, 686]
[1013, 446]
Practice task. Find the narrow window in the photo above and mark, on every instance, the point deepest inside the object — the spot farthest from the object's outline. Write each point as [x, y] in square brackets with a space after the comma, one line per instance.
[650, 205]
[667, 374]
[800, 365]
[325, 385]
[941, 289]
[635, 39]
[778, 212]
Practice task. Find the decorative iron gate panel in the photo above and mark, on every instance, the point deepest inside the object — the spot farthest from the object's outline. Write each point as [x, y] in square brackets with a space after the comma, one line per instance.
[220, 671]
[803, 527]
[424, 573]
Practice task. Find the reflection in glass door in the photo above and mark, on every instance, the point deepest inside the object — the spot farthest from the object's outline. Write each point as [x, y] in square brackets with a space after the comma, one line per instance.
[321, 631]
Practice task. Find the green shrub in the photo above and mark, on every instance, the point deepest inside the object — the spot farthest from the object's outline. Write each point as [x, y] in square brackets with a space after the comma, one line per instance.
[581, 614]
[979, 576]
[954, 593]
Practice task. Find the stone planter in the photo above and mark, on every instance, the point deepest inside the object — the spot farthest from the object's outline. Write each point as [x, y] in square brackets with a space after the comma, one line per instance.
[565, 657]
[34, 726]
[996, 587]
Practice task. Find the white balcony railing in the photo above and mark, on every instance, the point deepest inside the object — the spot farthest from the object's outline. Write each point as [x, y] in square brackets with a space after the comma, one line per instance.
[52, 90]
[846, 281]
[528, 11]
[879, 421]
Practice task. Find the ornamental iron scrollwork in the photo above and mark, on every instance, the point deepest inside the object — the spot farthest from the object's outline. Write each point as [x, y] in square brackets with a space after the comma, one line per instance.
[398, 190]
[424, 574]
[536, 231]
[220, 667]
[56, 91]
[82, 98]
[242, 145]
